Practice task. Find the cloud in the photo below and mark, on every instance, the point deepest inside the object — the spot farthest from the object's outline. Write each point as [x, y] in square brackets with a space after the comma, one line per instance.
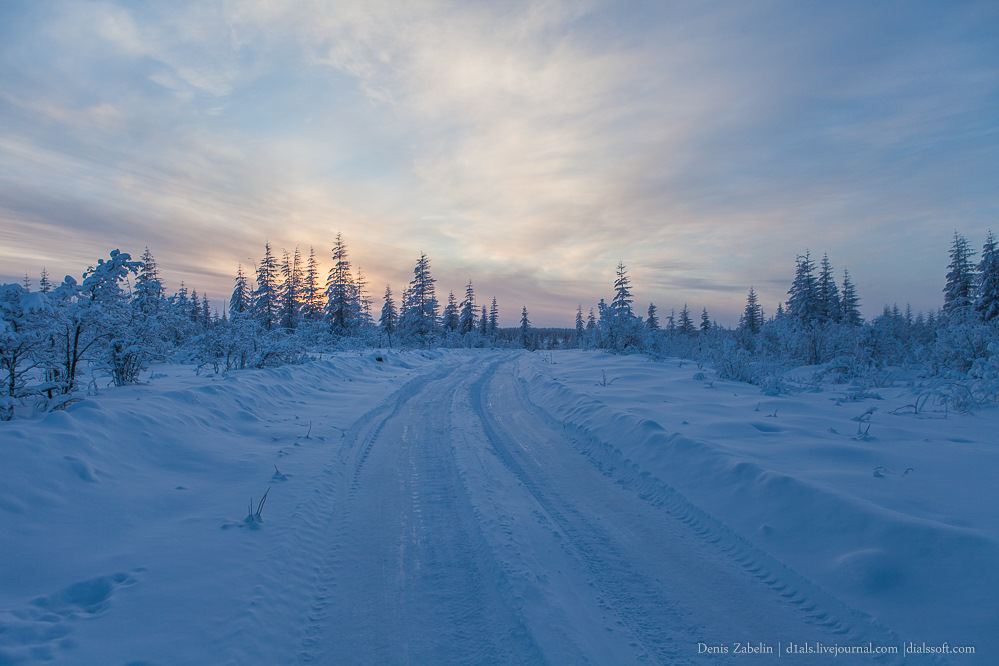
[533, 144]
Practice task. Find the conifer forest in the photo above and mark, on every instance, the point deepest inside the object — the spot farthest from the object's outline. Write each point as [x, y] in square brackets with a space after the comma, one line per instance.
[117, 319]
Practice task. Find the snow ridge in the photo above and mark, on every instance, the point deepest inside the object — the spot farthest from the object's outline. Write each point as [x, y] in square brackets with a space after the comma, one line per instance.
[639, 454]
[623, 588]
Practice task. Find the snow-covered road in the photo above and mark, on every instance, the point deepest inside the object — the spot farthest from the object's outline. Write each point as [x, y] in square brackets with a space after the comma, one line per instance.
[470, 528]
[407, 577]
[489, 507]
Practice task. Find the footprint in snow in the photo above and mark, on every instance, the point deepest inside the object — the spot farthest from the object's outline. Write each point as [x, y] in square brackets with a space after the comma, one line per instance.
[38, 630]
[82, 469]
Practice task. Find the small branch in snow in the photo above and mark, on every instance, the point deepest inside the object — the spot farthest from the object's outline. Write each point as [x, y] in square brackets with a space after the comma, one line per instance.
[255, 517]
[603, 381]
[881, 471]
[866, 416]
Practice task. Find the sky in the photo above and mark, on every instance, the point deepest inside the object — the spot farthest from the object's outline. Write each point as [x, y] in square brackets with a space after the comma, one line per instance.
[527, 146]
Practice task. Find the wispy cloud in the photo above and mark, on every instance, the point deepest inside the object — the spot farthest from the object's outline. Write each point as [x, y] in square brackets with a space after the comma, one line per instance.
[528, 145]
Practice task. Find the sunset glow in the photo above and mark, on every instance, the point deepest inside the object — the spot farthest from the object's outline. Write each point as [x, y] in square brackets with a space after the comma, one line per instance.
[526, 146]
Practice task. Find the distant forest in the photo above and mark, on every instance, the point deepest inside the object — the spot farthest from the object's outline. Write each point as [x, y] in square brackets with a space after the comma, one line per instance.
[116, 322]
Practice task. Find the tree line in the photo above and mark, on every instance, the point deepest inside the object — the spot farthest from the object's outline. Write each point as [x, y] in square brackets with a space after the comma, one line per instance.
[287, 296]
[119, 319]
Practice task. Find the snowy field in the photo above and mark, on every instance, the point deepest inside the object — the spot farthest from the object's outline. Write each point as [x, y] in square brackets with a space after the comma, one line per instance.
[457, 507]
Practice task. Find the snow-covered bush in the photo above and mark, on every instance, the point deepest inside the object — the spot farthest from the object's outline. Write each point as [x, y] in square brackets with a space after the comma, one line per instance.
[742, 365]
[95, 321]
[242, 342]
[121, 348]
[24, 319]
[985, 373]
[958, 347]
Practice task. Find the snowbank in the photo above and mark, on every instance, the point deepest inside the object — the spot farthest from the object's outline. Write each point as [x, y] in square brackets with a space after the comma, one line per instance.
[899, 520]
[136, 499]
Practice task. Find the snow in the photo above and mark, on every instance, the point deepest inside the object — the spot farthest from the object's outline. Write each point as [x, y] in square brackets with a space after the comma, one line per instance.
[900, 522]
[480, 506]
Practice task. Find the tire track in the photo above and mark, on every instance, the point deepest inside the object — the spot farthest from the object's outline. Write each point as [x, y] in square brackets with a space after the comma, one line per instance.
[642, 606]
[406, 577]
[324, 505]
[816, 607]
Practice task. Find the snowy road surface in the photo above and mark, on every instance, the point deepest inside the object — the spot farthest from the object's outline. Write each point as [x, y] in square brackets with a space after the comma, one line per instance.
[472, 507]
[471, 529]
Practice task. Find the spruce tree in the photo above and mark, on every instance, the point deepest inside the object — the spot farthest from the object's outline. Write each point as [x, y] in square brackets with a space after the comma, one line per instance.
[959, 292]
[830, 308]
[849, 302]
[44, 285]
[619, 323]
[705, 321]
[803, 299]
[149, 297]
[621, 303]
[341, 292]
[493, 317]
[291, 290]
[686, 324]
[420, 311]
[450, 321]
[298, 284]
[265, 298]
[389, 318]
[987, 302]
[466, 322]
[580, 327]
[604, 319]
[484, 322]
[179, 303]
[752, 317]
[312, 301]
[194, 309]
[525, 328]
[239, 302]
[652, 320]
